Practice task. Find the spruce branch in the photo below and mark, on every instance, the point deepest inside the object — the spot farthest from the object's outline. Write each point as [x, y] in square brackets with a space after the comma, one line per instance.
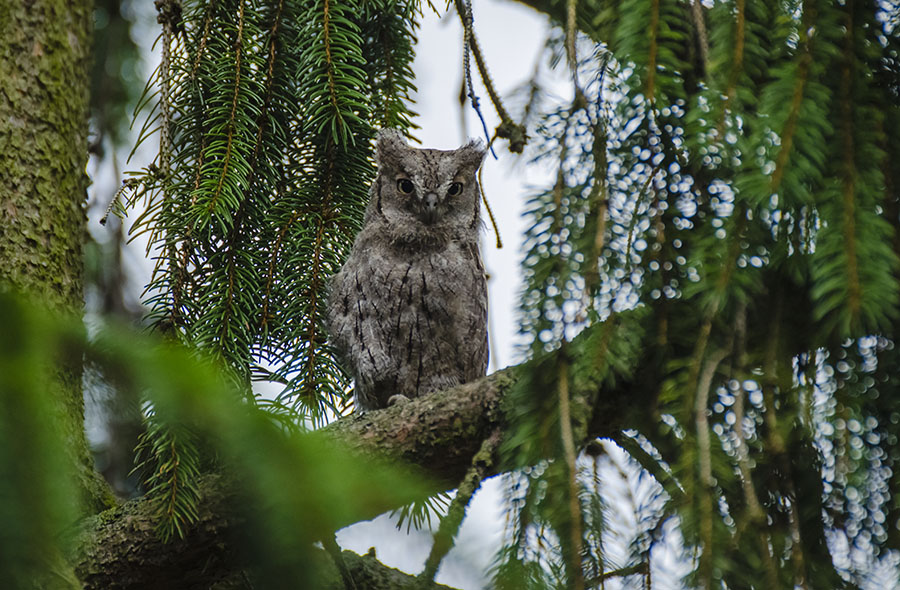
[699, 22]
[442, 434]
[849, 172]
[230, 124]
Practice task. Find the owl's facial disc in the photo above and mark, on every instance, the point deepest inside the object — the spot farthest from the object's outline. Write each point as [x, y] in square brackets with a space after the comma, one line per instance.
[421, 199]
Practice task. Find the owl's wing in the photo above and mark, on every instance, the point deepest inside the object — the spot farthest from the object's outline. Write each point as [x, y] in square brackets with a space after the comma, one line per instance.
[339, 322]
[478, 318]
[360, 323]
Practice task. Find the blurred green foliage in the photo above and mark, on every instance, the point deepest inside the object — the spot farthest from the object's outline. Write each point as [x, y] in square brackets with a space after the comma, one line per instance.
[293, 489]
[37, 481]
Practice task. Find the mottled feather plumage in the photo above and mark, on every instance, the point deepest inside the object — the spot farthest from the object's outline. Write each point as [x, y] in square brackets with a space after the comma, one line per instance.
[408, 310]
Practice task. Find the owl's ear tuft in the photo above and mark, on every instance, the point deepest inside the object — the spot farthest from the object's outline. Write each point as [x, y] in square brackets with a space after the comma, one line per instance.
[472, 154]
[389, 145]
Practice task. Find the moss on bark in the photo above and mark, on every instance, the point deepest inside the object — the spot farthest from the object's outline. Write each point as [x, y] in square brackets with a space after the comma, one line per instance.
[44, 64]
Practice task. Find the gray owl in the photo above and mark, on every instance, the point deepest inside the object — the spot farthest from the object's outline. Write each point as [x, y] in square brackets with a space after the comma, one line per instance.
[408, 310]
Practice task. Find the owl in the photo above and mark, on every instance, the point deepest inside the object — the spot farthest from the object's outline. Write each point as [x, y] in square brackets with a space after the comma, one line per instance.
[408, 310]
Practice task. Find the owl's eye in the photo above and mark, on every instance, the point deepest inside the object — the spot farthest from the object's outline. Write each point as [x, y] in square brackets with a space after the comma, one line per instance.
[455, 189]
[405, 186]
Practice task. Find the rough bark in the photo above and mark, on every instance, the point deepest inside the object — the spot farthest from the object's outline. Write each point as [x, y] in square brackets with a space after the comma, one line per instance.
[119, 550]
[44, 57]
[438, 433]
[44, 63]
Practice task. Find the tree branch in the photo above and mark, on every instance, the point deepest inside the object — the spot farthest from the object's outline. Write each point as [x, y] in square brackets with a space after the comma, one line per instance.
[120, 550]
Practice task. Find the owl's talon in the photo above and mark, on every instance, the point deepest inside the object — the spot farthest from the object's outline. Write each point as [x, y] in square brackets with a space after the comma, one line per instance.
[397, 399]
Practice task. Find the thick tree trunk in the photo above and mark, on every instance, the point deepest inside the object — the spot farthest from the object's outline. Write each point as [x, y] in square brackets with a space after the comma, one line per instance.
[44, 63]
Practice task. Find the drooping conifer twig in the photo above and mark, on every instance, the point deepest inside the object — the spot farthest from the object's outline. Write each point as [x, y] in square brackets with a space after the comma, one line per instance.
[775, 444]
[849, 172]
[598, 197]
[569, 455]
[650, 86]
[700, 30]
[466, 17]
[571, 37]
[632, 224]
[449, 526]
[508, 129]
[488, 206]
[755, 512]
[707, 484]
[170, 18]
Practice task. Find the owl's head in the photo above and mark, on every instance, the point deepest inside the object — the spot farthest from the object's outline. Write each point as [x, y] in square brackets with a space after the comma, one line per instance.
[432, 188]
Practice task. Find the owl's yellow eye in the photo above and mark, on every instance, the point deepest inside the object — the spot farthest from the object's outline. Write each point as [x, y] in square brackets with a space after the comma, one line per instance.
[405, 186]
[455, 189]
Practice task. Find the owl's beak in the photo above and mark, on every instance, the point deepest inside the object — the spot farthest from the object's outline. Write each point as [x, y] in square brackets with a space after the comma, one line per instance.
[431, 201]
